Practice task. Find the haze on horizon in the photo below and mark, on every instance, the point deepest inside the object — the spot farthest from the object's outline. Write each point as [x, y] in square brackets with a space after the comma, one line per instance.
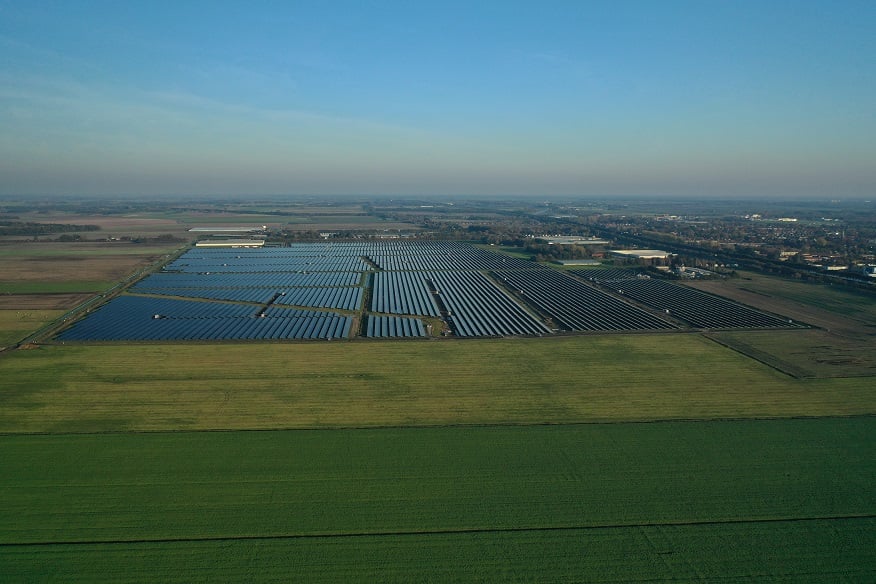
[748, 98]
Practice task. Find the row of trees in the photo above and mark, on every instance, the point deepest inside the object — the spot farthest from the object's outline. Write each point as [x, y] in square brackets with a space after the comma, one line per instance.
[31, 229]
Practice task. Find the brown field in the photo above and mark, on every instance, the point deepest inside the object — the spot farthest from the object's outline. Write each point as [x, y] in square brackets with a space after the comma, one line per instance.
[58, 301]
[63, 262]
[60, 276]
[190, 219]
[320, 210]
[329, 224]
[295, 219]
[114, 225]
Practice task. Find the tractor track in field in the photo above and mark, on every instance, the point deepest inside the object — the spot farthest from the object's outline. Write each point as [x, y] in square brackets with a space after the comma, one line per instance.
[438, 532]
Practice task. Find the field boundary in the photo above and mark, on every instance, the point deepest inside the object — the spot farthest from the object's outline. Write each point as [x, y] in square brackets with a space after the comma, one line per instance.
[431, 532]
[761, 357]
[445, 426]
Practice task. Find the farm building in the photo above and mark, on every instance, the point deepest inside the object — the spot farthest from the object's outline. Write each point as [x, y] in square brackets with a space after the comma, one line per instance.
[640, 254]
[228, 229]
[559, 240]
[579, 262]
[231, 243]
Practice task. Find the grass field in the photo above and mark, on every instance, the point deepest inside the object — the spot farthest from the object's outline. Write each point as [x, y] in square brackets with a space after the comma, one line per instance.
[518, 381]
[17, 324]
[847, 302]
[843, 346]
[777, 499]
[793, 551]
[812, 353]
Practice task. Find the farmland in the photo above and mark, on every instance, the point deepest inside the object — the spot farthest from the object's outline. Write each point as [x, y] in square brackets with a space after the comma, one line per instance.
[16, 324]
[746, 552]
[97, 387]
[573, 435]
[808, 354]
[686, 500]
[842, 346]
[53, 268]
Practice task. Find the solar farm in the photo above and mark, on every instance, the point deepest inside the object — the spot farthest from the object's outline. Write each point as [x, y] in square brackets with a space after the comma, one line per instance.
[395, 289]
[223, 442]
[698, 309]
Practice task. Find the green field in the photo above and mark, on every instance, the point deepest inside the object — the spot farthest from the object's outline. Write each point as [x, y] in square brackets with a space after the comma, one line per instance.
[17, 324]
[806, 354]
[88, 388]
[793, 551]
[844, 301]
[602, 502]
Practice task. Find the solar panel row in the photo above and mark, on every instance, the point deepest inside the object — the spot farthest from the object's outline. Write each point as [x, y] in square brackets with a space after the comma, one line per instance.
[402, 293]
[476, 307]
[471, 259]
[341, 298]
[697, 308]
[575, 306]
[393, 326]
[253, 280]
[133, 318]
[259, 295]
[249, 265]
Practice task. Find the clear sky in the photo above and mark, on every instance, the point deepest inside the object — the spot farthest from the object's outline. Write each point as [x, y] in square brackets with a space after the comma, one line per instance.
[710, 98]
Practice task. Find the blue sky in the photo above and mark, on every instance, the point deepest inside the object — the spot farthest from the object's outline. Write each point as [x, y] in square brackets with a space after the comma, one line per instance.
[704, 98]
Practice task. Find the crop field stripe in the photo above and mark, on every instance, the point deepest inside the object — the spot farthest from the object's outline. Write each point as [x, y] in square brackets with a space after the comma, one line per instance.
[545, 464]
[721, 553]
[436, 532]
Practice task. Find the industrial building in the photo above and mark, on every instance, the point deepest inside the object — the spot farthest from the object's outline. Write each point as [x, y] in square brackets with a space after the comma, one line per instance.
[640, 254]
[231, 243]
